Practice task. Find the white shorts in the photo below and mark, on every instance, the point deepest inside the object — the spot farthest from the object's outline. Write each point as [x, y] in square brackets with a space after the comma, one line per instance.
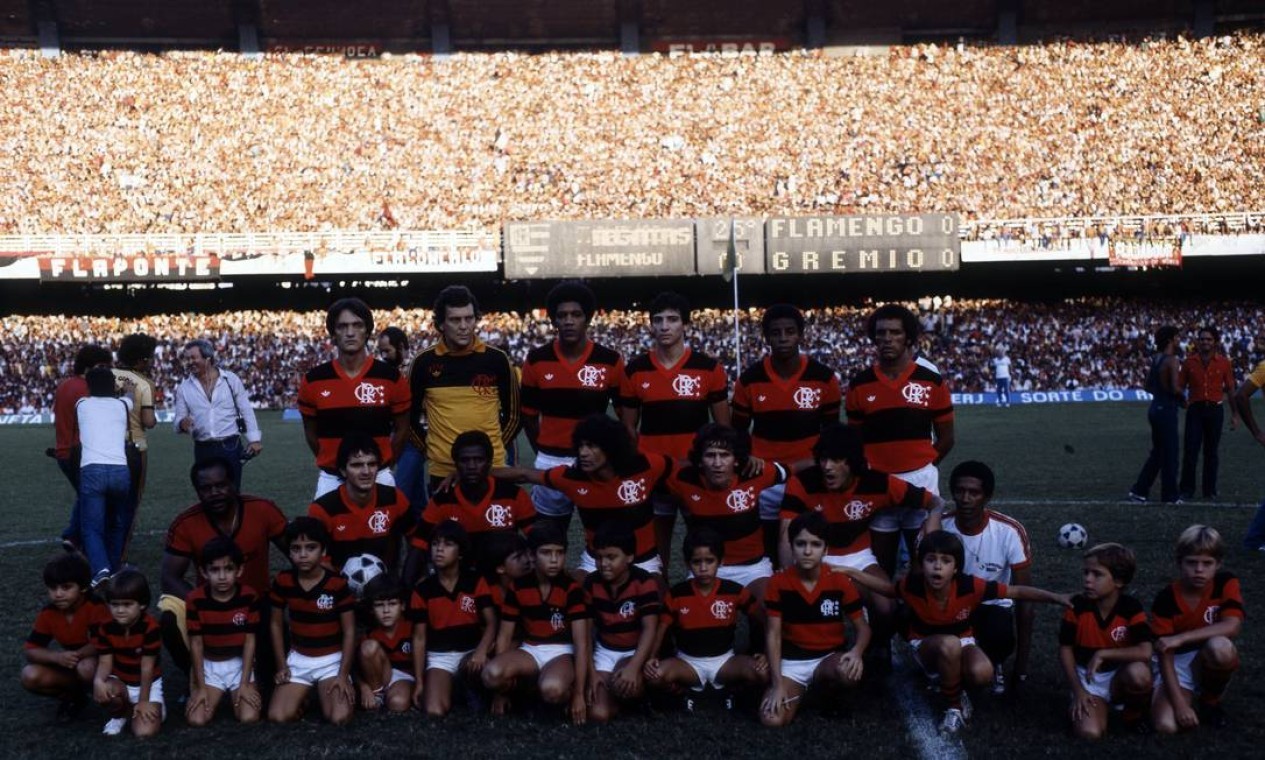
[225, 675]
[606, 660]
[589, 565]
[544, 654]
[708, 668]
[327, 482]
[856, 560]
[914, 644]
[745, 575]
[548, 502]
[802, 671]
[155, 694]
[310, 671]
[1099, 687]
[398, 675]
[1184, 664]
[771, 501]
[907, 518]
[449, 662]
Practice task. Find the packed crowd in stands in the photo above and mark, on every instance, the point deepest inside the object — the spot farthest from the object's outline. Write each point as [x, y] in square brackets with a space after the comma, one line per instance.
[1088, 343]
[122, 142]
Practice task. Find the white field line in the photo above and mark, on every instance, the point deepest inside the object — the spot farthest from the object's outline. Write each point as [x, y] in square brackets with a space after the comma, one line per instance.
[920, 720]
[46, 541]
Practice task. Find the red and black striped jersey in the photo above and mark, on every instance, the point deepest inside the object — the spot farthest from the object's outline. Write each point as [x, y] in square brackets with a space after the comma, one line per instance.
[704, 624]
[1086, 631]
[69, 629]
[732, 512]
[316, 627]
[787, 413]
[812, 621]
[624, 497]
[260, 523]
[617, 613]
[128, 646]
[453, 619]
[340, 404]
[375, 528]
[849, 512]
[398, 643]
[930, 617]
[222, 625]
[674, 403]
[897, 416]
[1172, 613]
[544, 618]
[561, 393]
[504, 507]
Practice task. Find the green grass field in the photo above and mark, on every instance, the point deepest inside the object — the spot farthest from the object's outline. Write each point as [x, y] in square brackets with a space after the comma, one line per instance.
[1055, 464]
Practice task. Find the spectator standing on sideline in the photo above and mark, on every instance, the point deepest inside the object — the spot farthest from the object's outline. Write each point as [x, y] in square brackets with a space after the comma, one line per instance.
[212, 406]
[1001, 375]
[136, 357]
[66, 449]
[1208, 379]
[1163, 382]
[104, 484]
[1255, 538]
[352, 392]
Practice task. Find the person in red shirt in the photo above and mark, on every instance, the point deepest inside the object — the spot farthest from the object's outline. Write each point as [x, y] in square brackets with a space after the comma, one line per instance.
[385, 657]
[1208, 379]
[1195, 621]
[905, 412]
[66, 429]
[223, 617]
[67, 621]
[129, 678]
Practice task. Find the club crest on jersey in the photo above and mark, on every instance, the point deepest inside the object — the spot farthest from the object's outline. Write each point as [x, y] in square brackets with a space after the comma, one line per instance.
[807, 398]
[467, 603]
[379, 521]
[407, 647]
[483, 385]
[856, 509]
[370, 394]
[632, 491]
[590, 376]
[962, 614]
[740, 499]
[548, 375]
[325, 602]
[557, 620]
[687, 386]
[917, 394]
[1210, 614]
[722, 610]
[830, 608]
[1119, 634]
[627, 609]
[239, 619]
[499, 516]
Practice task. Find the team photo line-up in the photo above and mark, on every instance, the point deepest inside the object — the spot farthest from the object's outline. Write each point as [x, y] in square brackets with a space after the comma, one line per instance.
[423, 571]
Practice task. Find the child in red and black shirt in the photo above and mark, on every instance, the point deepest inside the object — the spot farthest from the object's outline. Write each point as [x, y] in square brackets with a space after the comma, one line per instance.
[129, 679]
[1105, 643]
[1195, 621]
[68, 621]
[806, 635]
[222, 616]
[385, 659]
[322, 615]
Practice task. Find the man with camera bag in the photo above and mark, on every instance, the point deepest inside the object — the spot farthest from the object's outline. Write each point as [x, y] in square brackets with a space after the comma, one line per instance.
[213, 406]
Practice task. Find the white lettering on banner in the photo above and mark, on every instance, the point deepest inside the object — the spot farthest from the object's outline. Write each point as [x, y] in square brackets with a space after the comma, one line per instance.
[1082, 395]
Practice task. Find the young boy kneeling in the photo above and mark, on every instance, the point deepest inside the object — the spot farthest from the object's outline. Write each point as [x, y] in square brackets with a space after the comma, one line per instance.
[129, 680]
[222, 617]
[69, 621]
[385, 658]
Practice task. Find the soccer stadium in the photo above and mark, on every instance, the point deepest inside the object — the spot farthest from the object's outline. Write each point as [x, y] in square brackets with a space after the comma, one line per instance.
[472, 267]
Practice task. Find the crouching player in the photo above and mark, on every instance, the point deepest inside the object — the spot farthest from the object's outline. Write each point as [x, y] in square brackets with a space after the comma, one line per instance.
[385, 657]
[1195, 621]
[1105, 644]
[69, 621]
[702, 615]
[941, 602]
[550, 606]
[322, 629]
[222, 617]
[624, 602]
[806, 634]
[129, 679]
[454, 621]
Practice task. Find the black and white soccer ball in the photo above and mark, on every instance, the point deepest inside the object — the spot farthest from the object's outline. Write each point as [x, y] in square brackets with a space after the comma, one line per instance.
[361, 569]
[1073, 536]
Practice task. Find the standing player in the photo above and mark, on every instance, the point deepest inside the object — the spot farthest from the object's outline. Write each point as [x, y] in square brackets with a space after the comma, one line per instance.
[996, 549]
[136, 355]
[789, 397]
[667, 394]
[460, 384]
[1208, 379]
[563, 382]
[1001, 376]
[905, 413]
[1163, 381]
[352, 393]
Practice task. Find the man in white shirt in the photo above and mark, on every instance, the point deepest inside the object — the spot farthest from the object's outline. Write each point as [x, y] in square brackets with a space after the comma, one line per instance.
[104, 481]
[213, 406]
[996, 548]
[1001, 375]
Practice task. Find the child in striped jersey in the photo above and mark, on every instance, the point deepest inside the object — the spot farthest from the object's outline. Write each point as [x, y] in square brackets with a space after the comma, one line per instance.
[69, 621]
[222, 616]
[385, 659]
[129, 680]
